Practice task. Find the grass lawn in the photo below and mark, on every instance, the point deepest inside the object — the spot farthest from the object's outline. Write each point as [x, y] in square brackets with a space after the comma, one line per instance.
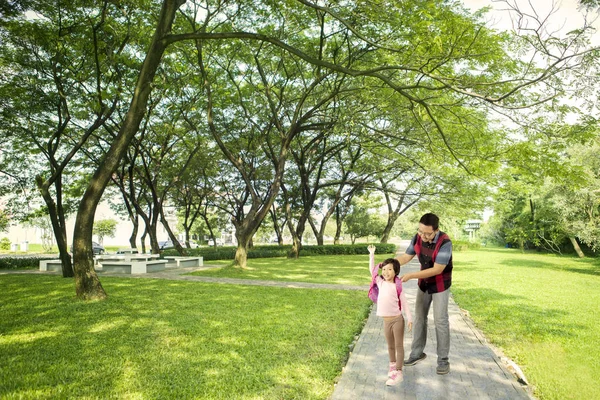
[172, 339]
[336, 269]
[542, 310]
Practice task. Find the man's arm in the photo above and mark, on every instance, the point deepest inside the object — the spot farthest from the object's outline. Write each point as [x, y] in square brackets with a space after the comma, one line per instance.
[404, 258]
[426, 273]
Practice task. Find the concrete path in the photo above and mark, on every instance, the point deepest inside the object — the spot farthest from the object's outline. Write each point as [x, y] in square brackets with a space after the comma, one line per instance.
[476, 372]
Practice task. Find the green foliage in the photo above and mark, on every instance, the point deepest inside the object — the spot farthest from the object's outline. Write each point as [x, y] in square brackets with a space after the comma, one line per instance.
[545, 212]
[531, 306]
[163, 339]
[462, 245]
[363, 219]
[22, 262]
[381, 248]
[5, 243]
[4, 221]
[228, 252]
[104, 227]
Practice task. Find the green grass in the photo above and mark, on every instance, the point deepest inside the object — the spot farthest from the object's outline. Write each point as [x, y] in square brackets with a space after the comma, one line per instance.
[342, 270]
[542, 310]
[172, 339]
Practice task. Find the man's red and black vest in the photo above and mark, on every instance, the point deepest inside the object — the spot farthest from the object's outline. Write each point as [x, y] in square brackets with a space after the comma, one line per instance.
[427, 252]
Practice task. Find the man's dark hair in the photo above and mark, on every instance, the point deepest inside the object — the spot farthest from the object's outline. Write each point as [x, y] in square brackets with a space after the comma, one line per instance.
[431, 220]
[395, 263]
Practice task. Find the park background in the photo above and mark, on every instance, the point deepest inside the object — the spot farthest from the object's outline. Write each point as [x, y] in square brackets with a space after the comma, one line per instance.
[299, 122]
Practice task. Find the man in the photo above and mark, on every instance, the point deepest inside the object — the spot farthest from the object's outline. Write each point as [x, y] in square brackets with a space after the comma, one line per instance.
[433, 248]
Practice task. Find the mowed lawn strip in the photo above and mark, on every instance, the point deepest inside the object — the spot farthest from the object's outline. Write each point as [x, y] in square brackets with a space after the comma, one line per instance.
[542, 310]
[332, 269]
[173, 339]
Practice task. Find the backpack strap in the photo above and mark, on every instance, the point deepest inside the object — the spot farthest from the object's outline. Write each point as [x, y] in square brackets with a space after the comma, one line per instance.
[398, 283]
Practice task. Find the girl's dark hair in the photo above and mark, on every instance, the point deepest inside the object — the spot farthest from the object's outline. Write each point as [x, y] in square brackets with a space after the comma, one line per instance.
[395, 263]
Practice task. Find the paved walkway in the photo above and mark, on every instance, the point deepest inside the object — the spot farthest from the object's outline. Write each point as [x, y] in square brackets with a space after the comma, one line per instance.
[476, 371]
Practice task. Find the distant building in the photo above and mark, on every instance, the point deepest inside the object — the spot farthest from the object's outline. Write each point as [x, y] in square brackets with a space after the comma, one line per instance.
[472, 226]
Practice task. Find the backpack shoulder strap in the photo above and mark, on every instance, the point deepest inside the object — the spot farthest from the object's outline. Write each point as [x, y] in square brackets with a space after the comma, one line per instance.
[398, 283]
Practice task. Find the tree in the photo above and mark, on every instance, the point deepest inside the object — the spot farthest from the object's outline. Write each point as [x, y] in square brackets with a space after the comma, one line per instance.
[433, 56]
[58, 86]
[87, 284]
[4, 221]
[103, 228]
[363, 220]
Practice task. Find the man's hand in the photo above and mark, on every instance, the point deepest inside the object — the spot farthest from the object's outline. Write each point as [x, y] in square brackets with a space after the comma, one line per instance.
[410, 326]
[406, 277]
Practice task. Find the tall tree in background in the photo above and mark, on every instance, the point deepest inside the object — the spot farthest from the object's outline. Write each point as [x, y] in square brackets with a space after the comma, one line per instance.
[433, 56]
[59, 88]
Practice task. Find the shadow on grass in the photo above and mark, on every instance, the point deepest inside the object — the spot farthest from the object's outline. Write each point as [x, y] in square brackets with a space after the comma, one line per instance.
[511, 318]
[165, 339]
[344, 270]
[586, 267]
[534, 259]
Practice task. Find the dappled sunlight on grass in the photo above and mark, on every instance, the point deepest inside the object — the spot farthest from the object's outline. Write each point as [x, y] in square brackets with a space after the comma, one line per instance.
[165, 339]
[541, 310]
[341, 270]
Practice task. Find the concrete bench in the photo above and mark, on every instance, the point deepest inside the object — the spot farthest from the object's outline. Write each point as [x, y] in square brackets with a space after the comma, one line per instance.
[51, 265]
[132, 266]
[181, 262]
[128, 251]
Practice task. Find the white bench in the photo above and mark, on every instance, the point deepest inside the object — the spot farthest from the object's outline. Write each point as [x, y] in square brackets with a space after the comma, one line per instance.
[132, 266]
[128, 251]
[50, 265]
[181, 262]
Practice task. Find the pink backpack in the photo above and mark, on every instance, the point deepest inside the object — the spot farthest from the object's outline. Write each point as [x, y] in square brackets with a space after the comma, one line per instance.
[374, 289]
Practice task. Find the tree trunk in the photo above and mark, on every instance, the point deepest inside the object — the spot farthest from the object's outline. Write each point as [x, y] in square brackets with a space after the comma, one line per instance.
[338, 226]
[296, 240]
[576, 247]
[143, 240]
[58, 225]
[278, 229]
[87, 284]
[319, 233]
[134, 232]
[241, 253]
[175, 241]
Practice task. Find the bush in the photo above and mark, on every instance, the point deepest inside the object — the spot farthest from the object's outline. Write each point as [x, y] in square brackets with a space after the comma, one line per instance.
[381, 248]
[5, 243]
[22, 262]
[228, 252]
[462, 245]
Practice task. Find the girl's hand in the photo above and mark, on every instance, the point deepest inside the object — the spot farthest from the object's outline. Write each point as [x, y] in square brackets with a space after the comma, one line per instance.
[371, 249]
[410, 326]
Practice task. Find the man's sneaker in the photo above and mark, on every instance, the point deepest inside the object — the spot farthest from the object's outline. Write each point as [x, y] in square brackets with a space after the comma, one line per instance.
[395, 378]
[413, 361]
[392, 369]
[443, 369]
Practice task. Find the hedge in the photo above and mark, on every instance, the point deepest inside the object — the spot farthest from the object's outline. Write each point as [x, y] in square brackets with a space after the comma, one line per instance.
[30, 262]
[462, 245]
[228, 252]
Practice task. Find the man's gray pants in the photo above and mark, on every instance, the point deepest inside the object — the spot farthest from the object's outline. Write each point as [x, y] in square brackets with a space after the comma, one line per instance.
[440, 318]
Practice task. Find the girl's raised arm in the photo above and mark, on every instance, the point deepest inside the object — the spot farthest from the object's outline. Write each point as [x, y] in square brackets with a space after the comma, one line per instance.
[371, 249]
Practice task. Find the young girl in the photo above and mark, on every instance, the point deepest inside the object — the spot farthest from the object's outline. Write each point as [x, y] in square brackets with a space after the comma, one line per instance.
[390, 306]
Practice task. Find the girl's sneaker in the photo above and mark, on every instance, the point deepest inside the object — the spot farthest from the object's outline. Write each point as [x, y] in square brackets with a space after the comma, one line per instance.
[395, 378]
[392, 369]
